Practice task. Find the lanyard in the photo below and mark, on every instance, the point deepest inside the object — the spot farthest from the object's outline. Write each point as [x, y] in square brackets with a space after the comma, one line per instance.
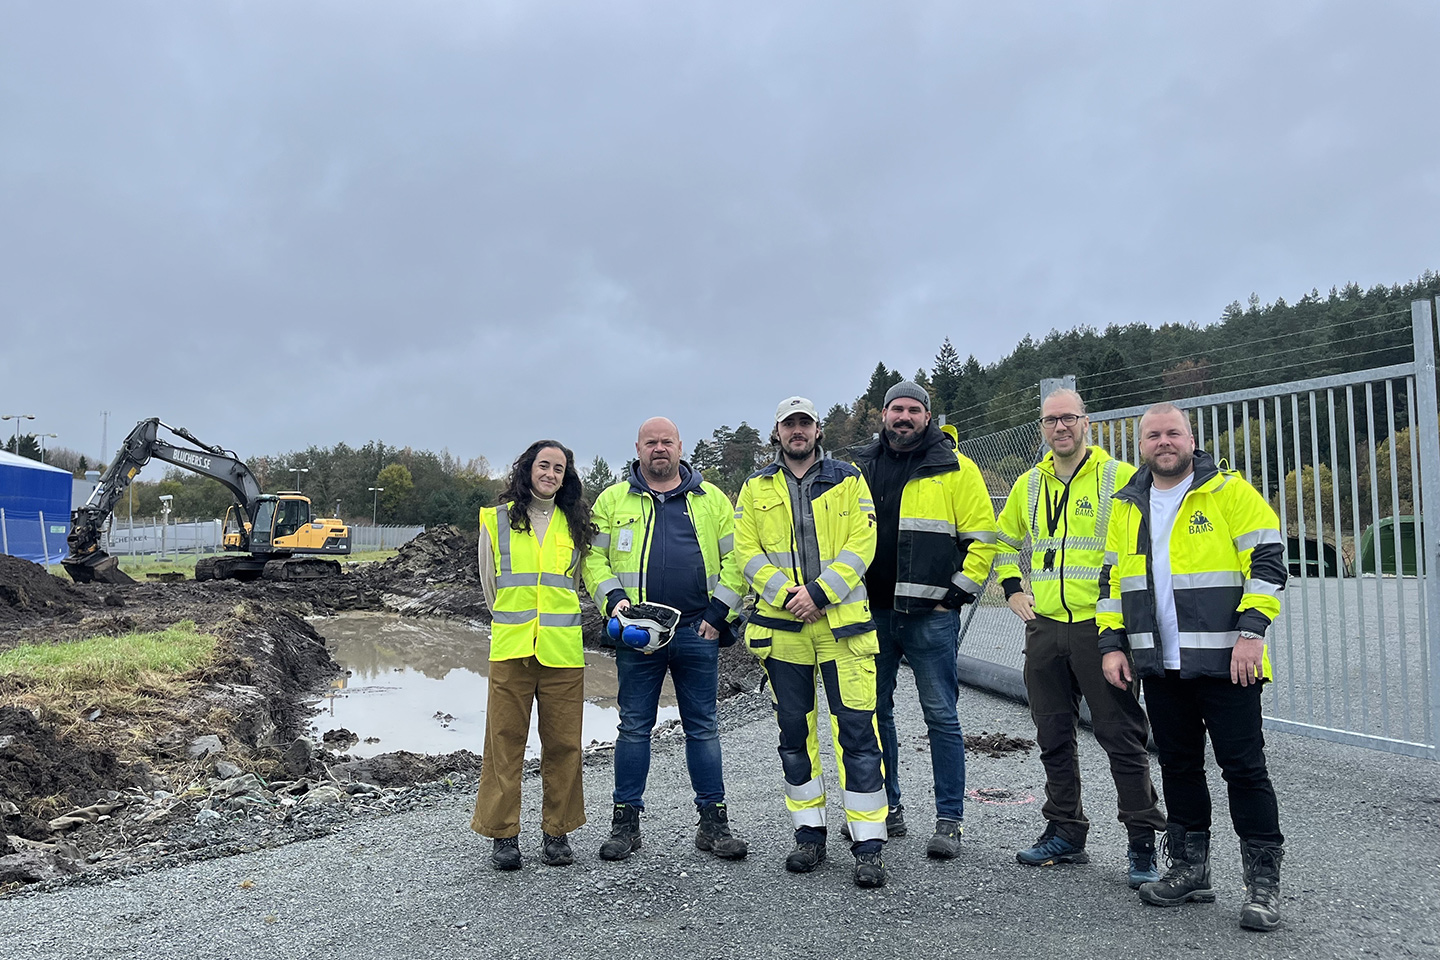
[1055, 510]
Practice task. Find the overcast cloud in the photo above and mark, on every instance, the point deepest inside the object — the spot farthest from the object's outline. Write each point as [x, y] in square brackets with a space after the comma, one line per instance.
[469, 225]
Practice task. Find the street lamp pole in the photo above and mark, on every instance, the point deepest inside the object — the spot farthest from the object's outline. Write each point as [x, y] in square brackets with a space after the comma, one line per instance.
[297, 471]
[375, 507]
[17, 417]
[41, 437]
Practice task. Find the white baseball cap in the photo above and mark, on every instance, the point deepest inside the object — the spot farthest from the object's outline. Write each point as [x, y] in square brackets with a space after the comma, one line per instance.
[796, 405]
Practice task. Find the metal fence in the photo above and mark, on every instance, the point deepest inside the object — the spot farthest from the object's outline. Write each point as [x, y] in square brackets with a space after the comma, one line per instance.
[152, 536]
[383, 537]
[33, 536]
[1347, 461]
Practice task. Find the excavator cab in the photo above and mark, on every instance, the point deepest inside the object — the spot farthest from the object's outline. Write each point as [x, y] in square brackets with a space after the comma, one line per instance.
[235, 534]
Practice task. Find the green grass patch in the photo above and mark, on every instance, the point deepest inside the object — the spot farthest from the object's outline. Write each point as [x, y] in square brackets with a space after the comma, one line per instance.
[112, 663]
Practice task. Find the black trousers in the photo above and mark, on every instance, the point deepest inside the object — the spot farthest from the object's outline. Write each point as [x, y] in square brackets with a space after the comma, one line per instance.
[1062, 664]
[1181, 712]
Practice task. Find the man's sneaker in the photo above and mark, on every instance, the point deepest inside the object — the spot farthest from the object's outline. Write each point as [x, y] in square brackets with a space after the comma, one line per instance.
[1188, 879]
[1261, 861]
[894, 824]
[945, 845]
[1142, 863]
[556, 852]
[870, 870]
[1050, 848]
[805, 857]
[506, 855]
[714, 834]
[624, 833]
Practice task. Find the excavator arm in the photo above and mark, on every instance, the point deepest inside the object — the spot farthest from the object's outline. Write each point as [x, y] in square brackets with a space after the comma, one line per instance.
[86, 562]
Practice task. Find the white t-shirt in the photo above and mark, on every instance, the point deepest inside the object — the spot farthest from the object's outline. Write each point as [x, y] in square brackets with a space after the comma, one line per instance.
[1164, 508]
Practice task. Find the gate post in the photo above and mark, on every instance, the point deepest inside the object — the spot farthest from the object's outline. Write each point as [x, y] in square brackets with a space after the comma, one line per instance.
[1427, 421]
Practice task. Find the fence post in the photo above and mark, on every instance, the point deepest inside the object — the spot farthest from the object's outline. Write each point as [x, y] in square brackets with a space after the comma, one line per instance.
[4, 533]
[44, 539]
[1427, 419]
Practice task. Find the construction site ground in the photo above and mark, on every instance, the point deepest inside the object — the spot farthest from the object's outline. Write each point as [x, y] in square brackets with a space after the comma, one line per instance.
[137, 846]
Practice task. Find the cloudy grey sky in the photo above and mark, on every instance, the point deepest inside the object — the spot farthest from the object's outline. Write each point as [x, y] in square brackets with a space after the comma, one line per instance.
[471, 224]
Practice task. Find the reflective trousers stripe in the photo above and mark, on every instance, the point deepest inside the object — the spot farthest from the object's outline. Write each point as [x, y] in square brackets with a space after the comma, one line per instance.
[866, 802]
[810, 790]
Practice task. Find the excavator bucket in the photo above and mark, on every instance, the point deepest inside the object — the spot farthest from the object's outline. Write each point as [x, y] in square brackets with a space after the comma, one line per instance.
[97, 567]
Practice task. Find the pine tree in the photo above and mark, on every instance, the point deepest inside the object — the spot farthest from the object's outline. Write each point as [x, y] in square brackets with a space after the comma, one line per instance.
[945, 379]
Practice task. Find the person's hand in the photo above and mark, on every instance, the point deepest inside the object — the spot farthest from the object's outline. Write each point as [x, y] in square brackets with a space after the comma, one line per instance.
[1023, 604]
[619, 606]
[1247, 661]
[706, 631]
[801, 605]
[1116, 667]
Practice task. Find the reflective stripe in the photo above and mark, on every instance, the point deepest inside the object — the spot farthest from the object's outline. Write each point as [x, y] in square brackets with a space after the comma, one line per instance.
[515, 580]
[1142, 641]
[1262, 586]
[561, 580]
[808, 817]
[1209, 641]
[502, 535]
[867, 830]
[711, 581]
[727, 543]
[560, 619]
[728, 597]
[605, 586]
[982, 536]
[629, 578]
[927, 526]
[773, 586]
[921, 590]
[1108, 475]
[754, 566]
[809, 790]
[512, 616]
[1013, 544]
[1251, 540]
[858, 594]
[1201, 581]
[853, 561]
[1107, 606]
[1111, 558]
[1134, 584]
[1071, 575]
[601, 541]
[966, 584]
[832, 579]
[865, 501]
[866, 802]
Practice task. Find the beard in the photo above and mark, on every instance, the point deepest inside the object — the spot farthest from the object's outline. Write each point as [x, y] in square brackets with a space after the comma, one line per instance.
[660, 469]
[899, 442]
[799, 453]
[1182, 465]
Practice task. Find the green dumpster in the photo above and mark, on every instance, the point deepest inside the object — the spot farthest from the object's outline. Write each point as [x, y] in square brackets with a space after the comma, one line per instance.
[1378, 541]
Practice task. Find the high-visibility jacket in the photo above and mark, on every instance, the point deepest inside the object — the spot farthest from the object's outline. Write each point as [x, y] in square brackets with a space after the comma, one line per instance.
[619, 556]
[537, 611]
[767, 552]
[1066, 524]
[947, 529]
[1227, 566]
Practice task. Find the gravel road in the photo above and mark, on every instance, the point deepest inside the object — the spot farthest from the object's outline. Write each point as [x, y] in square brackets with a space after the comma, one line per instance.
[1361, 876]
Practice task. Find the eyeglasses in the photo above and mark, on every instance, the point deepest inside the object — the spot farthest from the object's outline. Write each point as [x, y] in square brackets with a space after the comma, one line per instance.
[1069, 419]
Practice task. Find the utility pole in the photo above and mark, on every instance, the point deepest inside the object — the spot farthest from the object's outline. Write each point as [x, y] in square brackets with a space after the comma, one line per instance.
[104, 440]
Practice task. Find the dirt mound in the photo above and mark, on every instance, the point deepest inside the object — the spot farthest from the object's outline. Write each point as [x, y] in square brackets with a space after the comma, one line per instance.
[403, 768]
[28, 591]
[444, 554]
[998, 744]
[36, 763]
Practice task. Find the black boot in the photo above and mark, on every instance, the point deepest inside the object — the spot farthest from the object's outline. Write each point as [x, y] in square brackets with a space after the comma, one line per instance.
[1261, 863]
[714, 834]
[624, 833]
[506, 853]
[1188, 879]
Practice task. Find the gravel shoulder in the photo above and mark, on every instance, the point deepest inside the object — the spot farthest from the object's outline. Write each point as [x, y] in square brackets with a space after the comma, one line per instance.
[1360, 874]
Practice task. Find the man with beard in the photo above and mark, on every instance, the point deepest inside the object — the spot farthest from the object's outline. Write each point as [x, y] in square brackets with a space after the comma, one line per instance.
[804, 532]
[1062, 508]
[935, 540]
[666, 536]
[1194, 570]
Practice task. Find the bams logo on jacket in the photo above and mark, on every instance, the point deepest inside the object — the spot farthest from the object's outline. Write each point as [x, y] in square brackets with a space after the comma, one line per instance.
[1084, 508]
[1199, 523]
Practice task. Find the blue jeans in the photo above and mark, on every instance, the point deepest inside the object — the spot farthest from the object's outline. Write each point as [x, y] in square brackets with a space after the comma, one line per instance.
[694, 666]
[929, 643]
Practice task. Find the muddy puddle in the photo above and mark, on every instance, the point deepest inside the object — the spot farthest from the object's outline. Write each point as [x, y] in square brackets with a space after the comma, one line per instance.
[422, 685]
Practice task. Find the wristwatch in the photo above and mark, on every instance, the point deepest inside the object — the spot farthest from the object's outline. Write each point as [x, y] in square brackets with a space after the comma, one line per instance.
[1252, 635]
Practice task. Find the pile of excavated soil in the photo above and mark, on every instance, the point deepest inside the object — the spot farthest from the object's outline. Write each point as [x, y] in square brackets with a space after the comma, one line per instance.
[997, 744]
[29, 592]
[402, 768]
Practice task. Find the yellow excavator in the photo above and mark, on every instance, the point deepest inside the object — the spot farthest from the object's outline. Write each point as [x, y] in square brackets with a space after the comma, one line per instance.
[274, 536]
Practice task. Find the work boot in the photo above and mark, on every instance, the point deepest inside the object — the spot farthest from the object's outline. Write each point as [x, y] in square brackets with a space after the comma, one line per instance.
[894, 823]
[1261, 863]
[556, 852]
[1050, 848]
[714, 835]
[945, 845]
[1142, 861]
[624, 833]
[1188, 879]
[805, 857]
[870, 870]
[506, 854]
